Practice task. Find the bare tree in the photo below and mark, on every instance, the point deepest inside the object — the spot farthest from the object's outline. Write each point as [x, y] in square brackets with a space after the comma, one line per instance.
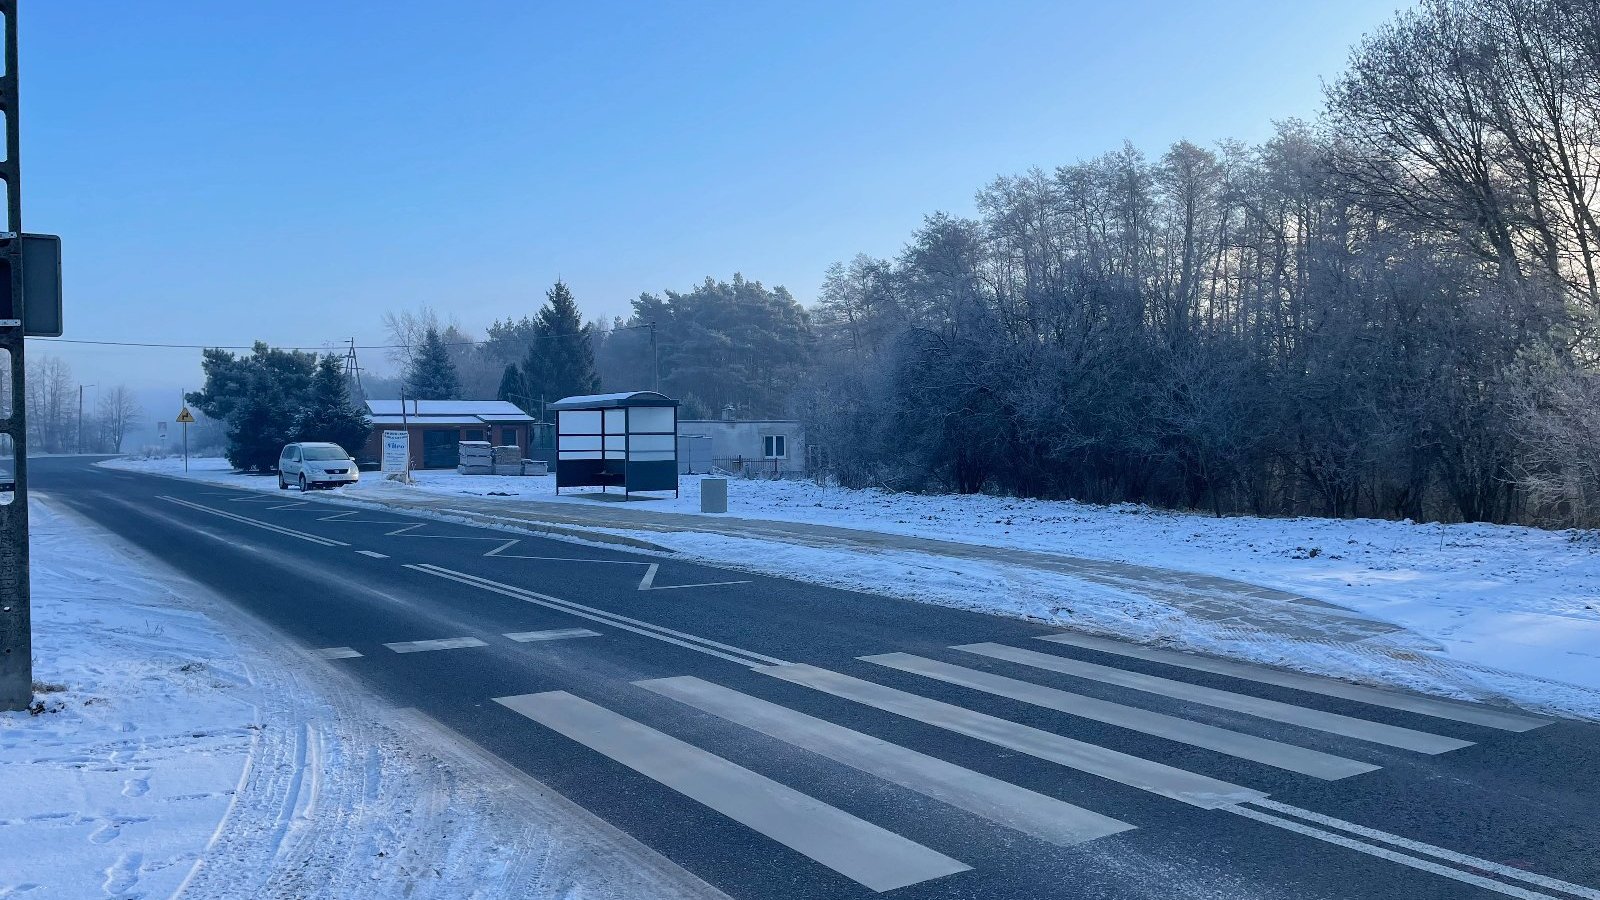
[118, 411]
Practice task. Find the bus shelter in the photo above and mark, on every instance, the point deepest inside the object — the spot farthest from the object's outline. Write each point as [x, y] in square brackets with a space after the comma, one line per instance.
[627, 440]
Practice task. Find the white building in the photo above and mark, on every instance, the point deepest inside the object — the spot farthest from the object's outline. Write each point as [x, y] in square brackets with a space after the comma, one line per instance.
[773, 447]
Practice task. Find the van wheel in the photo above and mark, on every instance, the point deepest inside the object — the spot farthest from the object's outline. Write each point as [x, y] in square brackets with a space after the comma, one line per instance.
[282, 485]
[303, 486]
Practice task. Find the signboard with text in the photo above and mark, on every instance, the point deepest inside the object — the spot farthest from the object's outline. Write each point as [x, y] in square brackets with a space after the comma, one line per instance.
[396, 451]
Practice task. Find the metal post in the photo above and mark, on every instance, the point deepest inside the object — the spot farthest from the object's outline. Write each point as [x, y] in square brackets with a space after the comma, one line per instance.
[16, 633]
[655, 361]
[80, 418]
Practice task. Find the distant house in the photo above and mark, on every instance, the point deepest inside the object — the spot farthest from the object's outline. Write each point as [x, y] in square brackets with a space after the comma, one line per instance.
[438, 426]
[747, 446]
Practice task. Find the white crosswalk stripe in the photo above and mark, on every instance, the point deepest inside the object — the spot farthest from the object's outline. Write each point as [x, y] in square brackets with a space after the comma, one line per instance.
[1244, 746]
[1333, 723]
[1146, 775]
[1034, 814]
[1475, 714]
[853, 847]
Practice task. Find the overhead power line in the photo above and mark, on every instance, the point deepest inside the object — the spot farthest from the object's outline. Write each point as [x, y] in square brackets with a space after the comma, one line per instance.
[330, 345]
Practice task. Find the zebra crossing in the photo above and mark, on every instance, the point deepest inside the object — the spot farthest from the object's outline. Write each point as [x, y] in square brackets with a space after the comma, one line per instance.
[872, 855]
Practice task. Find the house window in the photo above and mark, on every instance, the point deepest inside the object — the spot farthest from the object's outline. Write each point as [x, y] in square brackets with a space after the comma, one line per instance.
[775, 446]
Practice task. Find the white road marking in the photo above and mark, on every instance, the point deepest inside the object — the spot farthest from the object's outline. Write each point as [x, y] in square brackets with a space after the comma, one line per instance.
[1244, 746]
[1045, 818]
[658, 632]
[1463, 859]
[648, 582]
[1504, 720]
[267, 526]
[373, 553]
[557, 634]
[1146, 775]
[1394, 856]
[435, 644]
[338, 653]
[865, 853]
[1333, 723]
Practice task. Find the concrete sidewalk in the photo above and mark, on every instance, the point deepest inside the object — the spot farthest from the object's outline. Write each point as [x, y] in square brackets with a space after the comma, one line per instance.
[1225, 601]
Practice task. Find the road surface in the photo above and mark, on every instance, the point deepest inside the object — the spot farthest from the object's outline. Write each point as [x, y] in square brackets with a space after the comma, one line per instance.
[780, 739]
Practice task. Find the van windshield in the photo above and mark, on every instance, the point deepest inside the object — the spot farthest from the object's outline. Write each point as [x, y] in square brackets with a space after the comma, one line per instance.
[326, 453]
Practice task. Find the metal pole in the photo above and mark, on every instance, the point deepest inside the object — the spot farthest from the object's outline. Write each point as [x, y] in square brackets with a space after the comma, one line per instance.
[655, 361]
[16, 630]
[80, 418]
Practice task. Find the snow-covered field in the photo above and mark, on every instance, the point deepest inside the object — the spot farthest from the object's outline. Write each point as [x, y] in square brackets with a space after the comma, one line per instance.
[180, 747]
[1522, 600]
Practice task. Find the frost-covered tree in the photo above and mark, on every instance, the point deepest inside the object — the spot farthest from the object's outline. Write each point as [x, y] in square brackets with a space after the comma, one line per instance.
[560, 359]
[432, 374]
[329, 412]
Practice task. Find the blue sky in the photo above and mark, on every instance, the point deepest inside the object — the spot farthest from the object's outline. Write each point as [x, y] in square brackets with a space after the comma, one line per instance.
[222, 172]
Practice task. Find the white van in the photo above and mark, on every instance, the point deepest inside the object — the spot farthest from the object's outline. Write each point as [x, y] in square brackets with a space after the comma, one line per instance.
[312, 465]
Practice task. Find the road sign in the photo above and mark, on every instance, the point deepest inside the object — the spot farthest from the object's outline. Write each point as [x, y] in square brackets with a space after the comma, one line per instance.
[396, 451]
[40, 258]
[186, 417]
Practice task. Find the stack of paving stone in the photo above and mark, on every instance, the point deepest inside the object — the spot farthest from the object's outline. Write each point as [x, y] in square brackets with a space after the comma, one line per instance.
[535, 467]
[507, 460]
[476, 458]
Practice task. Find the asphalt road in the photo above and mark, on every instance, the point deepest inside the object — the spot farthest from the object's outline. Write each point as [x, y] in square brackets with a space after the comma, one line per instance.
[730, 721]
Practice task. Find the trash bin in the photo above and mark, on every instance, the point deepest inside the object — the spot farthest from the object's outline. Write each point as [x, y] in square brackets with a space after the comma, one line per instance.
[713, 495]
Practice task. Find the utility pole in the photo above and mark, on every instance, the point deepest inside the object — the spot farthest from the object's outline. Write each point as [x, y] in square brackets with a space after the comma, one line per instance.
[16, 629]
[655, 361]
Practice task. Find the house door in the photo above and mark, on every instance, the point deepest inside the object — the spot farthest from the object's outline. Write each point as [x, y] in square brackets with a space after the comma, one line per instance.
[441, 449]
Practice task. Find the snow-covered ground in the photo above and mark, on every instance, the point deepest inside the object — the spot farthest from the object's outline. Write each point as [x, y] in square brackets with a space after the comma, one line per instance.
[1522, 600]
[179, 747]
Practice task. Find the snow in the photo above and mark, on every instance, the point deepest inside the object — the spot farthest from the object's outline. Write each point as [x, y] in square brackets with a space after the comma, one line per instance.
[1517, 608]
[179, 745]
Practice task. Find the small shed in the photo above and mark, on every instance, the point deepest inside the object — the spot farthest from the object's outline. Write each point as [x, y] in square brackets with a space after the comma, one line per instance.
[627, 440]
[437, 427]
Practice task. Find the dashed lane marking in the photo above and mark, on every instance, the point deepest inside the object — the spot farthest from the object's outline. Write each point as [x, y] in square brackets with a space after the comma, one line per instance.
[257, 523]
[647, 629]
[338, 653]
[373, 553]
[557, 634]
[435, 644]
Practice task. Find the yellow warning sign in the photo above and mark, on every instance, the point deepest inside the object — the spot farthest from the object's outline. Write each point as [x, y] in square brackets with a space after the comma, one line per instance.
[186, 417]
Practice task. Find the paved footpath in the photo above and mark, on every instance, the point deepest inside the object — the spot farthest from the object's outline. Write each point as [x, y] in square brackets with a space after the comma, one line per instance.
[785, 740]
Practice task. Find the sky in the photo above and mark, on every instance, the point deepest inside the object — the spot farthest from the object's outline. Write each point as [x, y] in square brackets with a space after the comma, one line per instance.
[289, 171]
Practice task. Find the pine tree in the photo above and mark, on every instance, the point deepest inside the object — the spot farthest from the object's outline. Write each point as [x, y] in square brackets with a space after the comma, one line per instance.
[432, 374]
[330, 413]
[560, 360]
[513, 389]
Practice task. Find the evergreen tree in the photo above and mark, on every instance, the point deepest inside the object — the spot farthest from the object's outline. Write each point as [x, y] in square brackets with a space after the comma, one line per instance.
[514, 390]
[560, 360]
[259, 396]
[432, 374]
[330, 413]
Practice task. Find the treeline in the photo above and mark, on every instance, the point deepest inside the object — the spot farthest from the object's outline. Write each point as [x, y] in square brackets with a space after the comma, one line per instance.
[62, 420]
[1390, 312]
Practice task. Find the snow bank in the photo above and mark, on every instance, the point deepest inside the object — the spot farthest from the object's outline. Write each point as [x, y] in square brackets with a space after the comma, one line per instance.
[165, 757]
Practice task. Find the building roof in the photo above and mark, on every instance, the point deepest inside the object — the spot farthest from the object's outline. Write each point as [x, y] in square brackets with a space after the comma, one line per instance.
[447, 408]
[447, 413]
[613, 401]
